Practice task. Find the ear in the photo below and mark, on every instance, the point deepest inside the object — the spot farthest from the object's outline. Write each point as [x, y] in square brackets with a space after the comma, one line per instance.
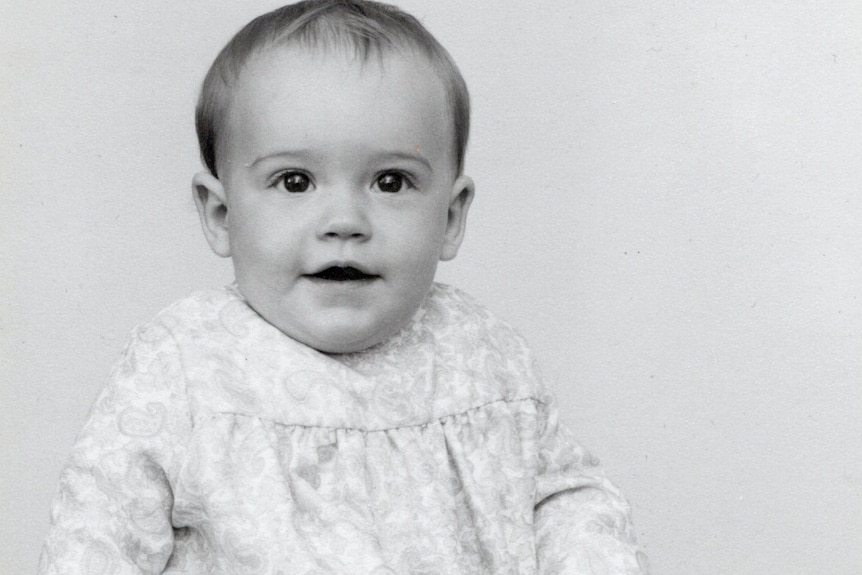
[456, 224]
[211, 201]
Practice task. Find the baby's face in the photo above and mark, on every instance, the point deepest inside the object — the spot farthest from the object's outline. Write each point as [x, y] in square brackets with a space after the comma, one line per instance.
[337, 193]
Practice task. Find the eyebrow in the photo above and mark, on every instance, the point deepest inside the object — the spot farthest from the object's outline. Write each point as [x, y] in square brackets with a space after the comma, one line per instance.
[379, 157]
[415, 157]
[300, 154]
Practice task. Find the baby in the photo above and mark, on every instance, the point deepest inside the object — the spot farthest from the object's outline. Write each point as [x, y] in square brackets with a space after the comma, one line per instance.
[335, 410]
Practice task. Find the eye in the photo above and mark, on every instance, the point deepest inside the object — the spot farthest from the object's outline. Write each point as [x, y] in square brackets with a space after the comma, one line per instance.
[294, 182]
[391, 182]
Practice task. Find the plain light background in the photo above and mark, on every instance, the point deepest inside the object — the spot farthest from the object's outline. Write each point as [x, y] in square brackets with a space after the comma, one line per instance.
[669, 202]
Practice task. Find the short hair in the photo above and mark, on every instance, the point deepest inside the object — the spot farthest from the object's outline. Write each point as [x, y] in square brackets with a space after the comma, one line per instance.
[365, 26]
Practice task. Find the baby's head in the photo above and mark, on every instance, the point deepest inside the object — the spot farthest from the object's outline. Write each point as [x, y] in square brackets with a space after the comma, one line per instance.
[334, 134]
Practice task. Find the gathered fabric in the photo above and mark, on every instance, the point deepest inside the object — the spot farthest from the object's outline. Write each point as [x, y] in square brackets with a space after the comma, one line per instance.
[221, 445]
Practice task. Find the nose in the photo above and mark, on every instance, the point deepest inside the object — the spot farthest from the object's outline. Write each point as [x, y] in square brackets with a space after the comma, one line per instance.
[345, 216]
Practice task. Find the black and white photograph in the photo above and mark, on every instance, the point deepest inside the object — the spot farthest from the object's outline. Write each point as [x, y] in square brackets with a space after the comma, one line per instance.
[354, 287]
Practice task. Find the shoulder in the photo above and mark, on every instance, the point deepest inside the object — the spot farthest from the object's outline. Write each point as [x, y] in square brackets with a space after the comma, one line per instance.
[454, 310]
[208, 310]
[203, 306]
[487, 345]
[202, 318]
[148, 384]
[192, 344]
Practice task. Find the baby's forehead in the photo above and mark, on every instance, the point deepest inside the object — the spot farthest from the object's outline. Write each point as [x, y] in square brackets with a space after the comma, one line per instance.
[328, 102]
[292, 64]
[292, 67]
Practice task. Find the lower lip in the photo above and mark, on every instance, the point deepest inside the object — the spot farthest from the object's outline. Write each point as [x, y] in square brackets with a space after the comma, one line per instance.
[344, 285]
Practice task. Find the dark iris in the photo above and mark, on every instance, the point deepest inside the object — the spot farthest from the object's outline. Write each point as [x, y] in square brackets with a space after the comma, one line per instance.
[295, 182]
[390, 182]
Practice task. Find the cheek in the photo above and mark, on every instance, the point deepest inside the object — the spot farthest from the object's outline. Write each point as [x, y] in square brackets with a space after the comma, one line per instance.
[420, 242]
[267, 225]
[258, 241]
[429, 223]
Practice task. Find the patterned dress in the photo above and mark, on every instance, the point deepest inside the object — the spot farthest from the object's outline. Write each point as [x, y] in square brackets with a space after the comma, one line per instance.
[220, 445]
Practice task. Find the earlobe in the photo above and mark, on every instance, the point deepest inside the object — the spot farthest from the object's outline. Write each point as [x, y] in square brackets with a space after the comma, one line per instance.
[211, 202]
[462, 196]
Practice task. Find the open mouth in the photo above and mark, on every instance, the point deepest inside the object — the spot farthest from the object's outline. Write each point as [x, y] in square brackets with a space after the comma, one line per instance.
[342, 274]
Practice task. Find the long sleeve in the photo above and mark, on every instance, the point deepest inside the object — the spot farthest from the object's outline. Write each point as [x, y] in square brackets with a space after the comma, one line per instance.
[112, 512]
[583, 524]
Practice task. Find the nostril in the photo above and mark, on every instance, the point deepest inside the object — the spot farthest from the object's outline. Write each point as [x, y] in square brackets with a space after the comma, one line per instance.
[345, 224]
[335, 235]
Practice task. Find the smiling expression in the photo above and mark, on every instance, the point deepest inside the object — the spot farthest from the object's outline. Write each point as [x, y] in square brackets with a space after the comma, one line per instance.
[338, 192]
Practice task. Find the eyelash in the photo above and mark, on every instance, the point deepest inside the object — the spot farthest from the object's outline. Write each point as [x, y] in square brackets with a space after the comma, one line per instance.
[278, 180]
[407, 178]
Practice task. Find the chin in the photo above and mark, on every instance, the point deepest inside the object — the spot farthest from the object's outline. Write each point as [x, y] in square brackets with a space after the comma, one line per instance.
[342, 340]
[335, 346]
[349, 333]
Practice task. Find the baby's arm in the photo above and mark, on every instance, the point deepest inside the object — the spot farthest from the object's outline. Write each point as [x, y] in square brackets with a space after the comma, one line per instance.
[583, 523]
[112, 513]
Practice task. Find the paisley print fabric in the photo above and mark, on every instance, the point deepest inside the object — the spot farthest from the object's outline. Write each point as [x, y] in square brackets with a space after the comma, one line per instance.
[220, 445]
